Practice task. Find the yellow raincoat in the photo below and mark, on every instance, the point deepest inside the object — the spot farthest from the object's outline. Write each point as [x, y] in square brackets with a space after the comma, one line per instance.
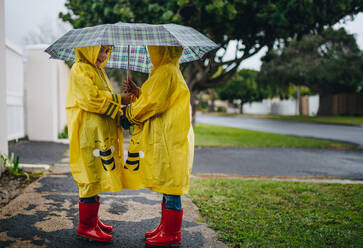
[95, 141]
[161, 150]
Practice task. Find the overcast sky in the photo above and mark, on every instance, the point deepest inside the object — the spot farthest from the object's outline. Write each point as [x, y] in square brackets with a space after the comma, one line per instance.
[25, 16]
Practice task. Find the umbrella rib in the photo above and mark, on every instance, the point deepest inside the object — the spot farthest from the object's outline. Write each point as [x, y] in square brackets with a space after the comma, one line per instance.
[171, 33]
[194, 52]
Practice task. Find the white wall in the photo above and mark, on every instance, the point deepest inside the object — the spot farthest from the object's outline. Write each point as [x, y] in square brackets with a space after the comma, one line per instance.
[313, 105]
[3, 107]
[15, 91]
[63, 79]
[279, 107]
[262, 108]
[284, 107]
[45, 84]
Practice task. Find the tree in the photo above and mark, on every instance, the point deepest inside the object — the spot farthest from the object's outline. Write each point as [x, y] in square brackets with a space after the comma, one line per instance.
[243, 87]
[327, 63]
[248, 24]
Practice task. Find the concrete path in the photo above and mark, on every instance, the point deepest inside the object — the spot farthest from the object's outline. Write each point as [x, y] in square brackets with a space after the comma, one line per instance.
[46, 215]
[349, 134]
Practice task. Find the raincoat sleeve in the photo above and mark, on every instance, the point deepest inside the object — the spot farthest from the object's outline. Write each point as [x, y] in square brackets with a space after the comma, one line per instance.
[154, 99]
[92, 99]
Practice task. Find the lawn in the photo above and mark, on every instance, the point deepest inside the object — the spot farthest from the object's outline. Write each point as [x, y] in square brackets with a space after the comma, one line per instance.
[217, 136]
[349, 120]
[281, 214]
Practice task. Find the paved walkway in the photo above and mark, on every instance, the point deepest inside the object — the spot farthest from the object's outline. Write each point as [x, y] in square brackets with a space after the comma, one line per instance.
[46, 215]
[349, 134]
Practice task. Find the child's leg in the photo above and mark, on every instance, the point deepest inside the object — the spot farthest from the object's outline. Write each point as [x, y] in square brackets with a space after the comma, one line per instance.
[172, 201]
[92, 199]
[168, 232]
[89, 223]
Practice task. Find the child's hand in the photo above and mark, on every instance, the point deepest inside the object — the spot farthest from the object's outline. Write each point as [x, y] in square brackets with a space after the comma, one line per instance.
[131, 87]
[126, 98]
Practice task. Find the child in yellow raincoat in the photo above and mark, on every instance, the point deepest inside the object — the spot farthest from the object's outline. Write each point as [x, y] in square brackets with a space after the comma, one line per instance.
[161, 149]
[96, 142]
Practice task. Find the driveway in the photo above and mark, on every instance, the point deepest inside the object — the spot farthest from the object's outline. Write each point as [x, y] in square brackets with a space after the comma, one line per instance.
[349, 134]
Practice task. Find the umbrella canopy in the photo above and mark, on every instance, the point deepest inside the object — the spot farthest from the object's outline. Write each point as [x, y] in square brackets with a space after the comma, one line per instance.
[130, 41]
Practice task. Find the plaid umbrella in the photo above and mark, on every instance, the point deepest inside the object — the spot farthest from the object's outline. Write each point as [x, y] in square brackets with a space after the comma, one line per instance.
[130, 41]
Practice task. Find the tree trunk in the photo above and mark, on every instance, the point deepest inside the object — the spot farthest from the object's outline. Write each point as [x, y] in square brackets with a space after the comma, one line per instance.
[241, 107]
[297, 100]
[212, 94]
[193, 97]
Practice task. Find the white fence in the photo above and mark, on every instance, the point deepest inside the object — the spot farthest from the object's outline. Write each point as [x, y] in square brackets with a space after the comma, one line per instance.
[14, 67]
[3, 107]
[278, 107]
[36, 91]
[46, 83]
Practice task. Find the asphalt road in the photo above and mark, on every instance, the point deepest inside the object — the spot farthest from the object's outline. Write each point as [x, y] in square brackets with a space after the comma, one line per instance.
[292, 162]
[349, 134]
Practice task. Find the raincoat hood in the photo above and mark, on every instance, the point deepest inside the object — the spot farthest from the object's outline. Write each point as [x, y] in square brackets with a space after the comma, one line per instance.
[161, 55]
[89, 55]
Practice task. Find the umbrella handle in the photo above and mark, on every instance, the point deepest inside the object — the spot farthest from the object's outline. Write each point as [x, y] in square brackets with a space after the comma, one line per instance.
[128, 62]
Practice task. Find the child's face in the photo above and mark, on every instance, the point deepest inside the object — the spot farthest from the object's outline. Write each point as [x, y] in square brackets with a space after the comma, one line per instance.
[102, 55]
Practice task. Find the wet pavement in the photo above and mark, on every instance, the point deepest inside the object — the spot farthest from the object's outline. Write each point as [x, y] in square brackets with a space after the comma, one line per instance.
[46, 215]
[288, 162]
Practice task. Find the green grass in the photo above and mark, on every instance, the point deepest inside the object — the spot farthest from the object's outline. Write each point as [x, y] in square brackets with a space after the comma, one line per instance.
[281, 214]
[217, 136]
[347, 120]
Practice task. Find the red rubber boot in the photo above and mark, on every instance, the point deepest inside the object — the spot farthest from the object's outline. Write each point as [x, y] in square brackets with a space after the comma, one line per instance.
[105, 227]
[170, 230]
[88, 226]
[151, 233]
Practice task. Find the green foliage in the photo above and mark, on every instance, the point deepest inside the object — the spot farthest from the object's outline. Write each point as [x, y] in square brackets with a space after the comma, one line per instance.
[328, 63]
[64, 134]
[204, 105]
[253, 24]
[242, 86]
[12, 166]
[221, 109]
